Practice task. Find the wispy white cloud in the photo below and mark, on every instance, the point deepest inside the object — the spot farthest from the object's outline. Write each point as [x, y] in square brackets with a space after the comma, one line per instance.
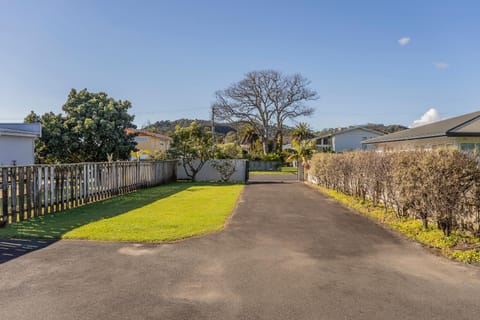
[404, 41]
[432, 115]
[441, 65]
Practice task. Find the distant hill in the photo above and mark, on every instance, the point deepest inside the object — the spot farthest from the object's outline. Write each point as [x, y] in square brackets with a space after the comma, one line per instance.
[385, 128]
[168, 126]
[373, 126]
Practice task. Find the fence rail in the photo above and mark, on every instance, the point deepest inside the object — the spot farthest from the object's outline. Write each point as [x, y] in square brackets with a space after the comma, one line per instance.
[37, 190]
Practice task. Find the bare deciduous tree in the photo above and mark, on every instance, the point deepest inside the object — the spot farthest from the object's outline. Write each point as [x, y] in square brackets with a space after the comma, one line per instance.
[266, 99]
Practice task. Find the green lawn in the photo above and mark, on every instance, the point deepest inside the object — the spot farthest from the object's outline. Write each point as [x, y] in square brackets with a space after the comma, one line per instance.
[285, 170]
[169, 212]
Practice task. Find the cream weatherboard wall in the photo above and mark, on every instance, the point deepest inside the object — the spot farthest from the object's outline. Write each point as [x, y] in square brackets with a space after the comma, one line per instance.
[457, 143]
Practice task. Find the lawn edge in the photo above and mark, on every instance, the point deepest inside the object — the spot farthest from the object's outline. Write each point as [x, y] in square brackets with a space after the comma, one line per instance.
[271, 173]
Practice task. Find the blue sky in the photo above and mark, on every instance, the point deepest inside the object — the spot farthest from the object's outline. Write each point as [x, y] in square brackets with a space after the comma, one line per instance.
[169, 57]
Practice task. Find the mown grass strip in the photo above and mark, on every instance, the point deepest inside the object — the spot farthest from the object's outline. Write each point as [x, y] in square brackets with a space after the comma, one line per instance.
[284, 170]
[165, 213]
[413, 229]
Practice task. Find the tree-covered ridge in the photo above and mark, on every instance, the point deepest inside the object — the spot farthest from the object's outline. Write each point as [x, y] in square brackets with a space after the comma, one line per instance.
[168, 126]
[373, 126]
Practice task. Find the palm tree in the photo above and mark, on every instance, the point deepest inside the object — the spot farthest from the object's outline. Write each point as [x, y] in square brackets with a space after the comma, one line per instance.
[249, 137]
[302, 152]
[302, 132]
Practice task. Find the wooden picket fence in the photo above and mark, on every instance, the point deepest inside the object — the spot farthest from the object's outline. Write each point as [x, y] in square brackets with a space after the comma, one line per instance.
[31, 191]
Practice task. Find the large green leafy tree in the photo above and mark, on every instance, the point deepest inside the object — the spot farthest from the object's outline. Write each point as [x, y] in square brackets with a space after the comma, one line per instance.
[55, 142]
[92, 127]
[192, 146]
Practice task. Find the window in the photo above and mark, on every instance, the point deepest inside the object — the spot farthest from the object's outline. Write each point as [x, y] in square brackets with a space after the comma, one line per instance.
[141, 139]
[467, 146]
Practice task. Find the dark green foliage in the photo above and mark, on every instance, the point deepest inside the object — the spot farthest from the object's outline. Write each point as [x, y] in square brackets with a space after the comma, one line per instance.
[385, 128]
[91, 128]
[168, 126]
[272, 157]
[55, 140]
[302, 131]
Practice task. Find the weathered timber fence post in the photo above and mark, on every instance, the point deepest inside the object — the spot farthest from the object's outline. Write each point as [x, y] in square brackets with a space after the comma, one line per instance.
[5, 194]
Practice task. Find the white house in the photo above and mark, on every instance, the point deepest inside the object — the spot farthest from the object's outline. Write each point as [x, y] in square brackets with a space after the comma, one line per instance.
[346, 139]
[17, 143]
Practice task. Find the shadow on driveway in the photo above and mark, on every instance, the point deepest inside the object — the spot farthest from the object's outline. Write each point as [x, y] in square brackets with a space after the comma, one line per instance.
[14, 248]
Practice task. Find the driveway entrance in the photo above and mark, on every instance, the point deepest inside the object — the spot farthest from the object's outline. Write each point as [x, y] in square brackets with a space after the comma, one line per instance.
[288, 252]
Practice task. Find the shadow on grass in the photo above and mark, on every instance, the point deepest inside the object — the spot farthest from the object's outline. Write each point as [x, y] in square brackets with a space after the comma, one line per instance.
[53, 226]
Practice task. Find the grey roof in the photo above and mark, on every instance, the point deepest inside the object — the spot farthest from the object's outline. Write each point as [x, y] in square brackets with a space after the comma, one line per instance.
[464, 125]
[348, 130]
[21, 129]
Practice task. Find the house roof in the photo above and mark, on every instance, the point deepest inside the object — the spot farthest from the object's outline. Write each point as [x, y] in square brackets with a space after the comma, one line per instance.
[146, 133]
[31, 130]
[331, 134]
[464, 125]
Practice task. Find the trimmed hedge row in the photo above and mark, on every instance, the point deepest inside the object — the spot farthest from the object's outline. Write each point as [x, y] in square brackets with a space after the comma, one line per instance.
[440, 187]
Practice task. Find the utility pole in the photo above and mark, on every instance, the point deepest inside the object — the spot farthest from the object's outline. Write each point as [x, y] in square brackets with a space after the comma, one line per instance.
[213, 132]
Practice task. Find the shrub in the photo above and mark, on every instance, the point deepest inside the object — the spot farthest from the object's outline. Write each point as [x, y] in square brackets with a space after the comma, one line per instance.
[226, 168]
[272, 157]
[467, 256]
[440, 187]
[228, 151]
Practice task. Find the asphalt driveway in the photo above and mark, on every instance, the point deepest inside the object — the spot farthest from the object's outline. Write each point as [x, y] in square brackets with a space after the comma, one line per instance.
[287, 253]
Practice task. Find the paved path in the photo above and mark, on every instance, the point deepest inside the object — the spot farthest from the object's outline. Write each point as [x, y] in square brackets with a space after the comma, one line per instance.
[288, 253]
